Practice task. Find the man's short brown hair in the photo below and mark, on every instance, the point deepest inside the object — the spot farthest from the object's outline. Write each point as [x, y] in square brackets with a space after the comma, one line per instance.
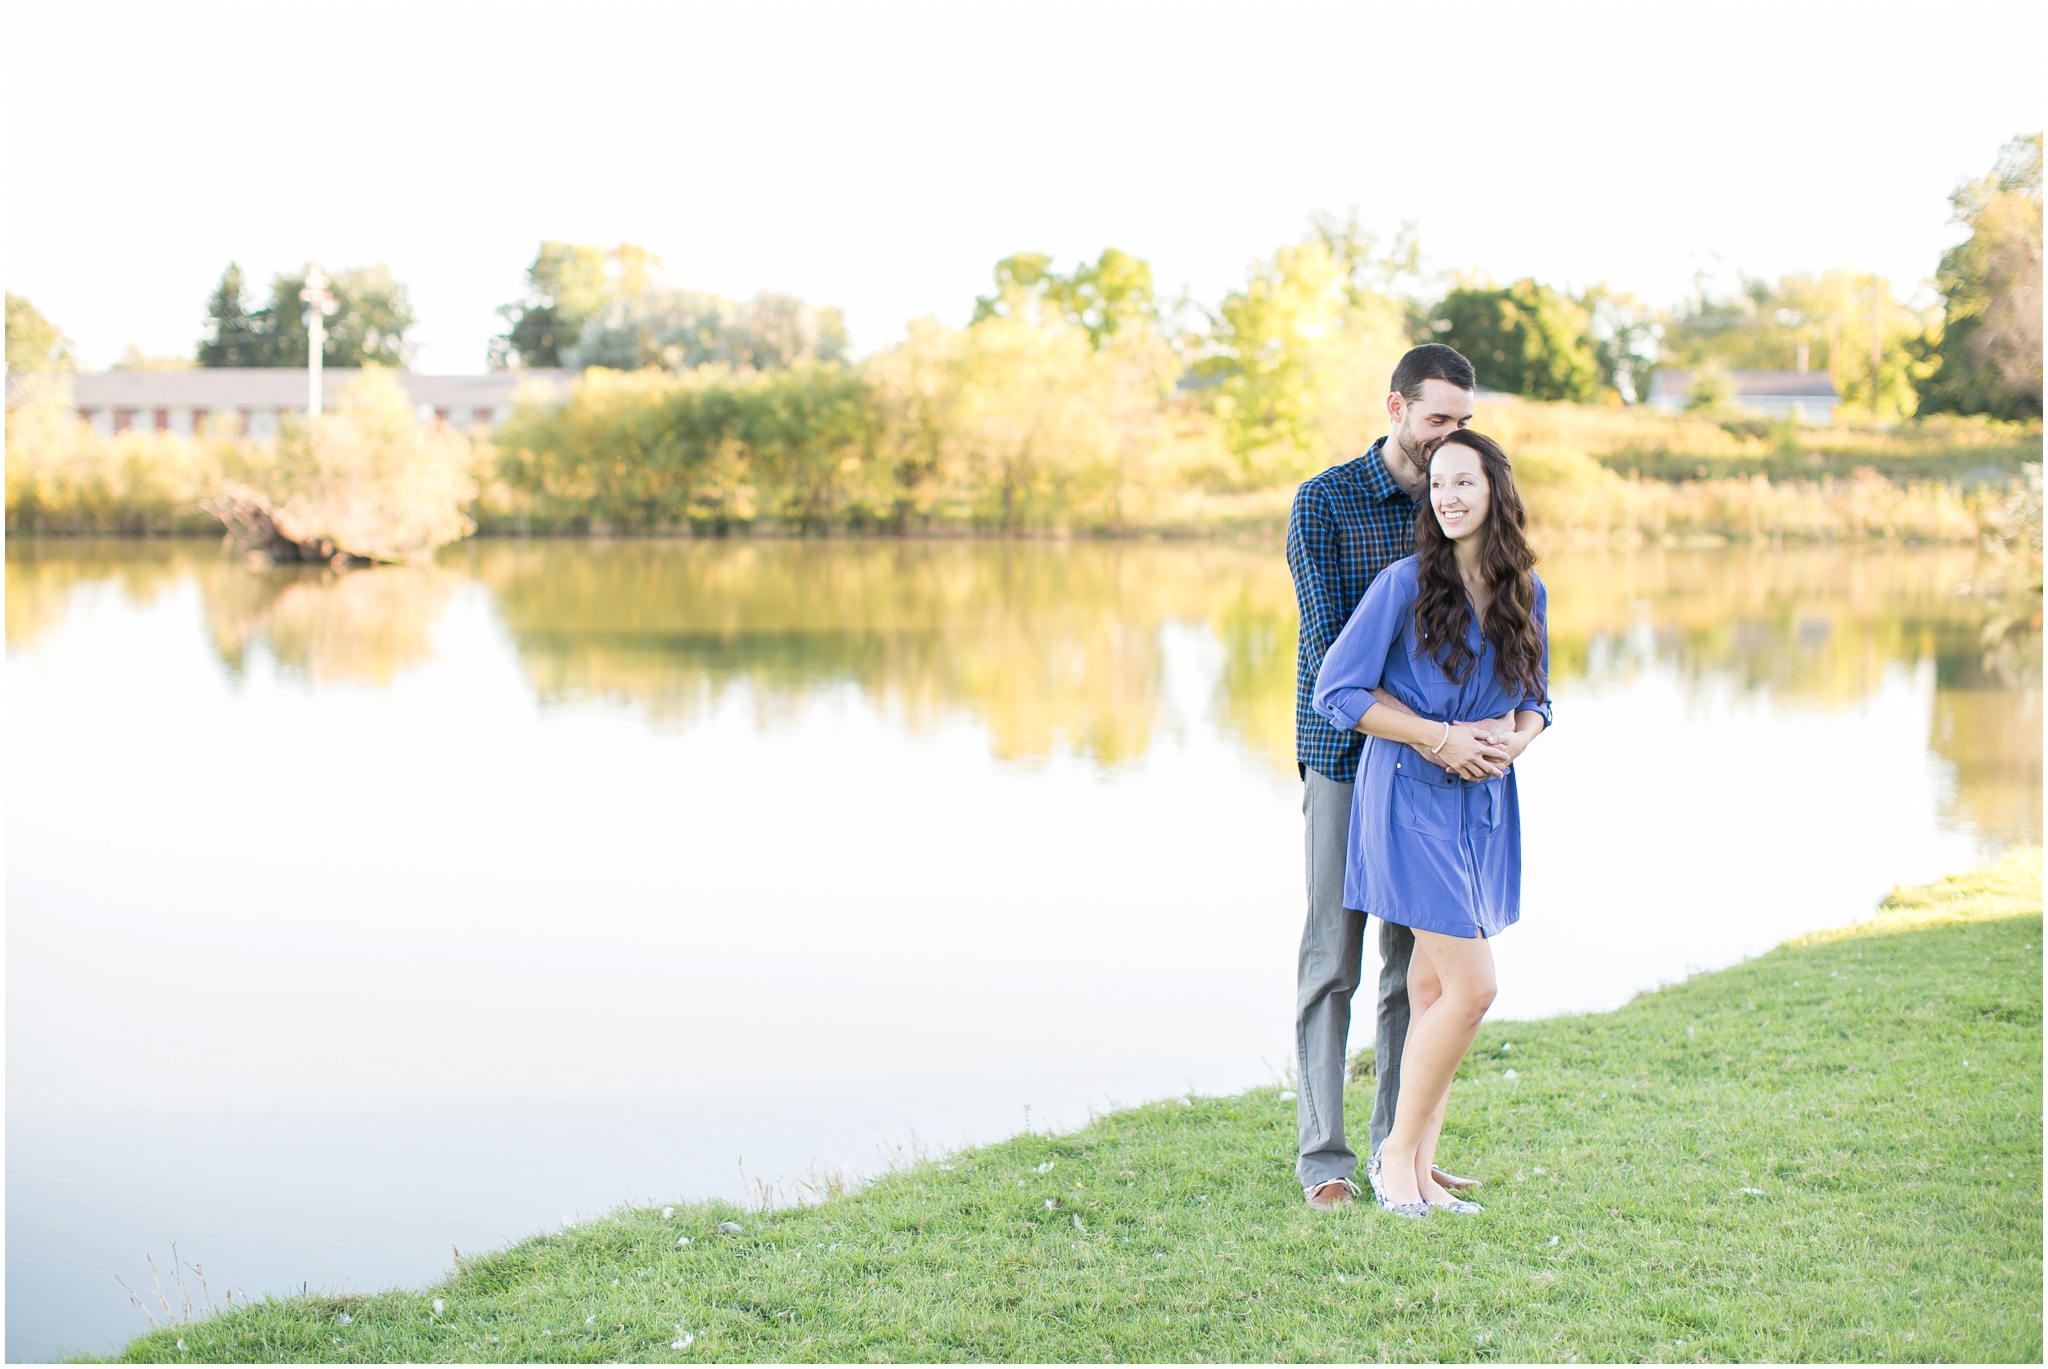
[1431, 361]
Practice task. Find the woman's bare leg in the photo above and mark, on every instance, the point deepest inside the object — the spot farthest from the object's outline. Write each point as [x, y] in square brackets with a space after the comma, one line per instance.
[1425, 1153]
[1438, 1038]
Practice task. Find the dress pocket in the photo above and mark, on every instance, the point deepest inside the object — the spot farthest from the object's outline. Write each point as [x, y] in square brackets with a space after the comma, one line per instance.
[1493, 804]
[1424, 803]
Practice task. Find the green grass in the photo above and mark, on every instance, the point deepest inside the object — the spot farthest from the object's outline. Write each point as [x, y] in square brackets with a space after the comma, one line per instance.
[1880, 1085]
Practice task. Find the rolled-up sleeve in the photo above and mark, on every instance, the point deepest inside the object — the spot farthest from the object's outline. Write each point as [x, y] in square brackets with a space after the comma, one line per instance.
[1357, 660]
[1541, 703]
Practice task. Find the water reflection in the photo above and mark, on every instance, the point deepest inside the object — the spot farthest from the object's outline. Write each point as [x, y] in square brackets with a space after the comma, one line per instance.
[1051, 648]
[316, 624]
[325, 627]
[1826, 627]
[1058, 649]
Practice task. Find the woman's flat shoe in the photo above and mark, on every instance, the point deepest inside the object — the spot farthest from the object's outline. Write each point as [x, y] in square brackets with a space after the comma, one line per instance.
[1372, 1176]
[1459, 1206]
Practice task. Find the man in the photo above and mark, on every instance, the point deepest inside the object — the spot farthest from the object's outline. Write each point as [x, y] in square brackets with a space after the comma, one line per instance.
[1349, 524]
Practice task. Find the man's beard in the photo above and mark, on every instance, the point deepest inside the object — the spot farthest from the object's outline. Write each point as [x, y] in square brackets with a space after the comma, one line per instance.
[1414, 448]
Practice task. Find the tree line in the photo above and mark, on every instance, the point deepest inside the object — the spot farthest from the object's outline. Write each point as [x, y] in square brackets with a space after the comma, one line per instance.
[1287, 358]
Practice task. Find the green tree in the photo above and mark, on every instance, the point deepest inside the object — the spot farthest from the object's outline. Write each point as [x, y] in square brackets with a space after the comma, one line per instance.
[773, 332]
[1625, 331]
[1525, 339]
[683, 330]
[1374, 277]
[567, 286]
[1299, 358]
[1987, 353]
[368, 326]
[234, 337]
[1846, 323]
[594, 306]
[1105, 297]
[33, 342]
[1109, 295]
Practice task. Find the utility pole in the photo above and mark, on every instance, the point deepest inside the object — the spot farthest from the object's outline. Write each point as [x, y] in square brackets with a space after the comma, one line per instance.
[319, 304]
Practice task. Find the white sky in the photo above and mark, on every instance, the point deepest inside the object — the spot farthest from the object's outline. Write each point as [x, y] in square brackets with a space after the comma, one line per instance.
[883, 157]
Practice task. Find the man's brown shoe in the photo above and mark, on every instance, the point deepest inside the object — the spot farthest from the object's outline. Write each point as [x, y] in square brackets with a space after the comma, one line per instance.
[1453, 1182]
[1331, 1193]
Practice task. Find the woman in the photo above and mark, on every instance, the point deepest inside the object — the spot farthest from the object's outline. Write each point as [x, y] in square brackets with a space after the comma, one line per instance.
[1454, 631]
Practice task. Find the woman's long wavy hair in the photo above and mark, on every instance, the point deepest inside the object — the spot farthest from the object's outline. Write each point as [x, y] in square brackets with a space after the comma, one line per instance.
[1441, 607]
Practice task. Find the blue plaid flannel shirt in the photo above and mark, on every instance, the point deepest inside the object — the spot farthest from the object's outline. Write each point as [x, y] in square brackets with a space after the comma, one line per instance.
[1348, 524]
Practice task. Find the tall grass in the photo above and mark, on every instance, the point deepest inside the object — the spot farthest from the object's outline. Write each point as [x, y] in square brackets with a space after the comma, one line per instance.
[1016, 427]
[64, 479]
[366, 478]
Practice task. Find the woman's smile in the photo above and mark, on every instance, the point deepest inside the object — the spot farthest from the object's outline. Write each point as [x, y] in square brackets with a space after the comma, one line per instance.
[1458, 490]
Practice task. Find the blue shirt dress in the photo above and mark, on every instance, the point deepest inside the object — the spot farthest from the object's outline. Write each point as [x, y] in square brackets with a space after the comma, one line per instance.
[1428, 850]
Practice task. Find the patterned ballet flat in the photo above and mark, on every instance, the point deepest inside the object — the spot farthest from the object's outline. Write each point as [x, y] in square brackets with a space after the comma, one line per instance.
[1459, 1206]
[1372, 1176]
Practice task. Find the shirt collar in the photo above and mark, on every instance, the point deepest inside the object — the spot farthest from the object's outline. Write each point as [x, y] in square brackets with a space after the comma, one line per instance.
[1379, 481]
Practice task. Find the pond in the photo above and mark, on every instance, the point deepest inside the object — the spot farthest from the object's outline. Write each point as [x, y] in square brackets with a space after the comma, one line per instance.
[355, 917]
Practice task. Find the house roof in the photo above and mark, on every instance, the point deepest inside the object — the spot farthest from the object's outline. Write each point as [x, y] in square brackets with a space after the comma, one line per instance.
[1754, 384]
[285, 388]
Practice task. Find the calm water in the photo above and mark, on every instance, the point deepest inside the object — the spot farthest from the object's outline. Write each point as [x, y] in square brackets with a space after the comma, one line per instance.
[353, 917]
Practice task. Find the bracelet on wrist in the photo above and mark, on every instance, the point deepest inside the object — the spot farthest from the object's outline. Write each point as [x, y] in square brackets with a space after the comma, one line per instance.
[1438, 748]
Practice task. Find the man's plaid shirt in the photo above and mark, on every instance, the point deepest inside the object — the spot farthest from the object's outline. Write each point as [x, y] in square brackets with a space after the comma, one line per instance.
[1348, 524]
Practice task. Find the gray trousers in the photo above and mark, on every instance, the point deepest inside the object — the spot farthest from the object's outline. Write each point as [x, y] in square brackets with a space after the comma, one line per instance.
[1332, 952]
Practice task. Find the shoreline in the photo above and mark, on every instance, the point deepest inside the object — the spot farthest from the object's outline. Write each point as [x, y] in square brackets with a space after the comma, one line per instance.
[1073, 1271]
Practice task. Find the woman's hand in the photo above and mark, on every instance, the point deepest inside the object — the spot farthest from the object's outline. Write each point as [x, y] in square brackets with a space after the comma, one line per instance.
[1468, 749]
[1473, 751]
[1526, 728]
[1495, 732]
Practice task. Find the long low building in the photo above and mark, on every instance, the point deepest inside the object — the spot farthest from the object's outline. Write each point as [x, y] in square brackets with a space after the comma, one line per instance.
[1803, 396]
[251, 398]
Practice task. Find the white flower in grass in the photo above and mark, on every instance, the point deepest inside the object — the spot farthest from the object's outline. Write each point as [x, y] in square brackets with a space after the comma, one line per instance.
[590, 1321]
[682, 1240]
[1052, 1204]
[667, 1213]
[1046, 1168]
[1755, 1192]
[1551, 1241]
[729, 1228]
[682, 1342]
[1509, 1075]
[439, 1307]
